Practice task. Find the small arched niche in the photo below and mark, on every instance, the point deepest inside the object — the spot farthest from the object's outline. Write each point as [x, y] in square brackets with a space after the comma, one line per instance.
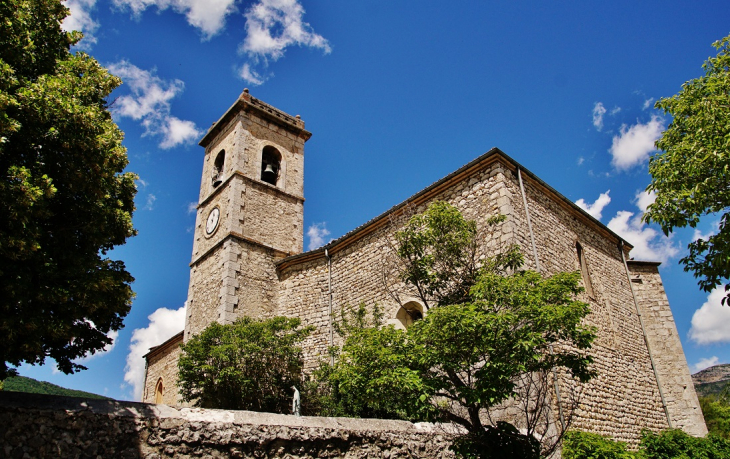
[218, 164]
[159, 391]
[270, 165]
[409, 313]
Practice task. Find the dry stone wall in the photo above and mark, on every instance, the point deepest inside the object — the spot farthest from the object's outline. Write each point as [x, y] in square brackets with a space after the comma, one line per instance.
[34, 425]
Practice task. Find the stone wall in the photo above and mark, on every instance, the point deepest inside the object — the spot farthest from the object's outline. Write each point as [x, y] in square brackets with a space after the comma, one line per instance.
[162, 367]
[358, 268]
[34, 425]
[679, 393]
[623, 399]
[625, 392]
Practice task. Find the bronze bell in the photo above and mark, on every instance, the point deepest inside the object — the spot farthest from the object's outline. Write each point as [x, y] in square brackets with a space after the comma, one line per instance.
[217, 177]
[269, 174]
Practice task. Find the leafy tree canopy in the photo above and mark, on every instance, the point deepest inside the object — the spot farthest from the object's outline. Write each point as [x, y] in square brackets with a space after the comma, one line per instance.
[64, 198]
[437, 254]
[691, 176]
[247, 365]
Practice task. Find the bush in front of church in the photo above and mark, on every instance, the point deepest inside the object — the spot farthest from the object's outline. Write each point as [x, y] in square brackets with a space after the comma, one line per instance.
[250, 364]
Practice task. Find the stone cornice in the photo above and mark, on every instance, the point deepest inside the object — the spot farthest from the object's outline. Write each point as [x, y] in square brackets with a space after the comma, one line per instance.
[248, 104]
[164, 346]
[248, 179]
[238, 236]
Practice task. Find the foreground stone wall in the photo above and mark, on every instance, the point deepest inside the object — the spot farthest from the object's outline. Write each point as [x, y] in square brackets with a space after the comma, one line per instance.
[38, 426]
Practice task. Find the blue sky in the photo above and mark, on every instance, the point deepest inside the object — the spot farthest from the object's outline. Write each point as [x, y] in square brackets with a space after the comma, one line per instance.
[397, 94]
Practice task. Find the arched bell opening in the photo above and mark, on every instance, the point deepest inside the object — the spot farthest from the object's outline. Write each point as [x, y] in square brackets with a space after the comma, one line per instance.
[270, 165]
[409, 313]
[220, 160]
[159, 391]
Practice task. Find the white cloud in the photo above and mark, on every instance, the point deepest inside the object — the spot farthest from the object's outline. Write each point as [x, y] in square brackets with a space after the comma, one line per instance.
[178, 132]
[598, 111]
[649, 244]
[208, 16]
[150, 203]
[615, 110]
[317, 233]
[150, 104]
[581, 160]
[192, 207]
[705, 363]
[596, 208]
[164, 324]
[634, 144]
[79, 18]
[648, 103]
[711, 322]
[250, 75]
[271, 27]
[644, 199]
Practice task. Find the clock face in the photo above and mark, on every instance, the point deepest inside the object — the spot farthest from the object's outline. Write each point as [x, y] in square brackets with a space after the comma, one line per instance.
[212, 223]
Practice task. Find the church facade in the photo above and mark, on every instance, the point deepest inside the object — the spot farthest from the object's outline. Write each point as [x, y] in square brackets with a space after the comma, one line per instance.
[248, 260]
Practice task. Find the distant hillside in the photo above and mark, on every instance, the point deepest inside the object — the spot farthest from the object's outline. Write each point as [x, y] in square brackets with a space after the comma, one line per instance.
[711, 381]
[23, 384]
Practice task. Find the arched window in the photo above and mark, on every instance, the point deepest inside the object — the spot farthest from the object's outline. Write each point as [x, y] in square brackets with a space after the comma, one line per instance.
[159, 389]
[409, 313]
[584, 270]
[218, 168]
[270, 165]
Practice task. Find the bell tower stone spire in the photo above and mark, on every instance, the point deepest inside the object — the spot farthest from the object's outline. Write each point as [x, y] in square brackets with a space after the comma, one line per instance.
[250, 212]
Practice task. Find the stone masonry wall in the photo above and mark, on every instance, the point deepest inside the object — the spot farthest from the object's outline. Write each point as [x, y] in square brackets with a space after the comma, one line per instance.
[679, 393]
[34, 425]
[625, 392]
[162, 365]
[357, 271]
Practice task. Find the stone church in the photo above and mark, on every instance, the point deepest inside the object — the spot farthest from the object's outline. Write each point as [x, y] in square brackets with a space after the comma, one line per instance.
[248, 260]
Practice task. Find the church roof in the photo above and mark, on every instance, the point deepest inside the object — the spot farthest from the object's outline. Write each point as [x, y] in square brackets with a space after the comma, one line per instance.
[493, 155]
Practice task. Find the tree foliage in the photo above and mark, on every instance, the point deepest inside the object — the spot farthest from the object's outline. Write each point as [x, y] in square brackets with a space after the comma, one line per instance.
[462, 361]
[716, 411]
[250, 364]
[587, 445]
[669, 444]
[437, 254]
[691, 176]
[64, 198]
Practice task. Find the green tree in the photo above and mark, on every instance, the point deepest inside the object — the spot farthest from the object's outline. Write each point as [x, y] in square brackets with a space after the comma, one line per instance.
[691, 176]
[250, 364]
[586, 445]
[436, 255]
[64, 198]
[462, 361]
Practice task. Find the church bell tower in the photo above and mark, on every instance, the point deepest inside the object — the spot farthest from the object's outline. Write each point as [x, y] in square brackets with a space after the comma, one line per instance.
[250, 212]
